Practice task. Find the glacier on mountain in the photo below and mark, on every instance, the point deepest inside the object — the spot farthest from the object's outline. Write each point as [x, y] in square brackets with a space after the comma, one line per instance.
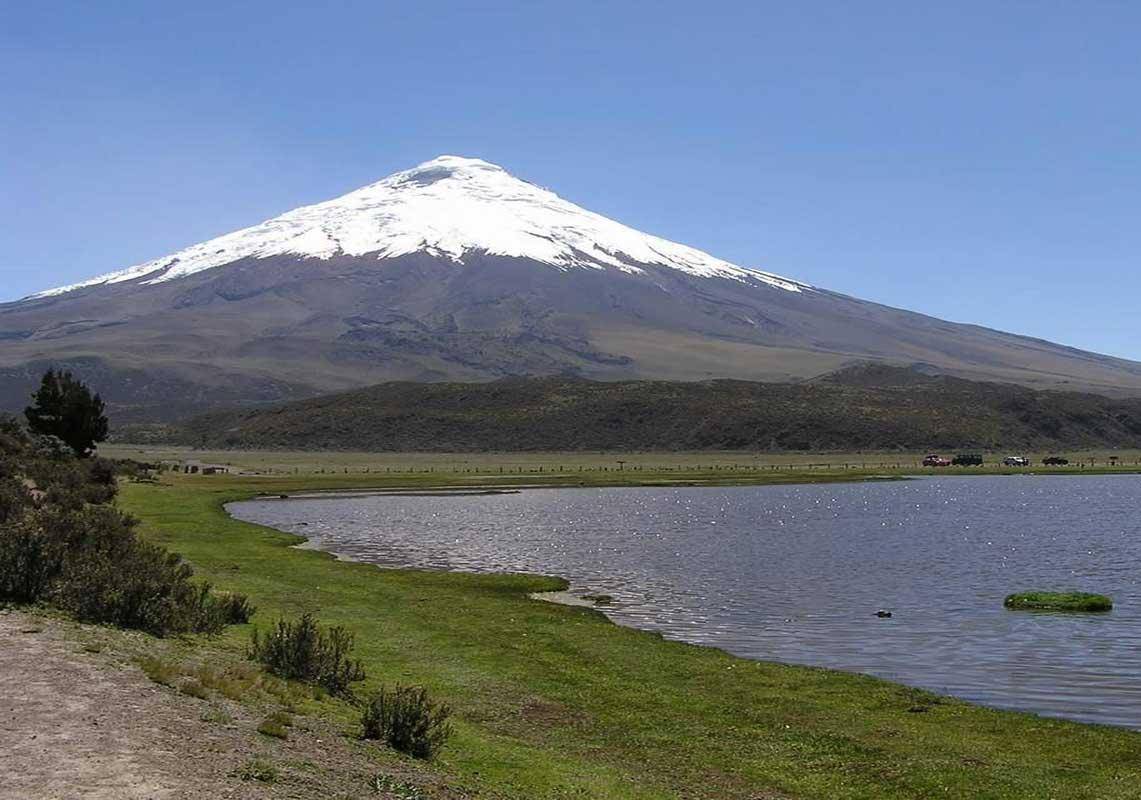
[447, 207]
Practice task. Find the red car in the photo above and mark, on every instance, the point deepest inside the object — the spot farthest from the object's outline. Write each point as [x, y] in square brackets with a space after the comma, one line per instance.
[936, 461]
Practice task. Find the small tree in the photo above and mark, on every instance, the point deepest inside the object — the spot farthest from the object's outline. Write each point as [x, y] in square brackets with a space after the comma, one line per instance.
[65, 408]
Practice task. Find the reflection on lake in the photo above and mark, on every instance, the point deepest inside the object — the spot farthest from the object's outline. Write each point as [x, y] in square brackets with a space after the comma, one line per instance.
[797, 573]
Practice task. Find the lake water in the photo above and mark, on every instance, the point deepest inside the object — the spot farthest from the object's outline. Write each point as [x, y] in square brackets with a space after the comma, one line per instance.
[797, 573]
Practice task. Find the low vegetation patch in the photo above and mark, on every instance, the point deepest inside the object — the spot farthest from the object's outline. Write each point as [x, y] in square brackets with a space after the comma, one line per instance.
[407, 720]
[216, 715]
[194, 688]
[160, 671]
[258, 769]
[240, 682]
[304, 651]
[394, 787]
[1058, 601]
[276, 725]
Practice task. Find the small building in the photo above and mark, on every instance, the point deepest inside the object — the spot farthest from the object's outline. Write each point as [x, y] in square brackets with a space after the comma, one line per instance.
[199, 468]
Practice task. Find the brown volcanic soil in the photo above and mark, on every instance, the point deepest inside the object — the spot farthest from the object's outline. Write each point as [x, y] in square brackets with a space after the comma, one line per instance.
[81, 724]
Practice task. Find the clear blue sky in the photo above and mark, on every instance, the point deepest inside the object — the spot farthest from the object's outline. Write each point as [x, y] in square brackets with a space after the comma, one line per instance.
[980, 161]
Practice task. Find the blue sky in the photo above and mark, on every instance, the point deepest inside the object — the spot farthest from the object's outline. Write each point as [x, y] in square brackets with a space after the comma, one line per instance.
[975, 161]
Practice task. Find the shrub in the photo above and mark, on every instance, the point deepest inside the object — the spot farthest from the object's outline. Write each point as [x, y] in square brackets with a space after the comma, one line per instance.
[304, 651]
[29, 561]
[109, 575]
[61, 543]
[207, 611]
[407, 720]
[236, 608]
[14, 498]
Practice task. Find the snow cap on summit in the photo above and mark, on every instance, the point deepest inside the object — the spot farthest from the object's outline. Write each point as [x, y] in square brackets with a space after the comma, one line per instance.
[447, 207]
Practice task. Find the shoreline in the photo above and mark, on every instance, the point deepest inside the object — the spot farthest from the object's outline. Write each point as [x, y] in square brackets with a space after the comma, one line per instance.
[602, 604]
[620, 707]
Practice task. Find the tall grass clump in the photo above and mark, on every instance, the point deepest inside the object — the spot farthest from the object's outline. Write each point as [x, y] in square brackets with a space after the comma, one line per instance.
[407, 720]
[304, 651]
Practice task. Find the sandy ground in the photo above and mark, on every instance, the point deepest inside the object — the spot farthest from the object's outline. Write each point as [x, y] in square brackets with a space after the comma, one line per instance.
[77, 724]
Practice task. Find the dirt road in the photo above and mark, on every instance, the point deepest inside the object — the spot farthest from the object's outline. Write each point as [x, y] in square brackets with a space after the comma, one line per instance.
[76, 725]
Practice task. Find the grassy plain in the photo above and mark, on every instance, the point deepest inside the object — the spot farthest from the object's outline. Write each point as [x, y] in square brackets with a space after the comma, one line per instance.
[557, 702]
[709, 463]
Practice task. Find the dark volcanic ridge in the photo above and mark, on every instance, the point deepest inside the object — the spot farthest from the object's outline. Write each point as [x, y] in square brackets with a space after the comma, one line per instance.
[860, 408]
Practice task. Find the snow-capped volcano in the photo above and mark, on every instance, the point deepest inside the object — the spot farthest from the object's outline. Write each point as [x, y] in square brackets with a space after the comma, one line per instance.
[447, 207]
[455, 270]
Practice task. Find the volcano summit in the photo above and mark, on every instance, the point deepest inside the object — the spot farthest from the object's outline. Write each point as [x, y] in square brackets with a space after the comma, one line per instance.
[456, 270]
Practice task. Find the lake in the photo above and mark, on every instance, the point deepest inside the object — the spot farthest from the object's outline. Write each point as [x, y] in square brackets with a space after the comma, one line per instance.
[797, 573]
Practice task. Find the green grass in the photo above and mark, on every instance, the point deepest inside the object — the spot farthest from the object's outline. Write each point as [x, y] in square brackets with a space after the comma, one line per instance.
[195, 688]
[276, 725]
[161, 672]
[389, 467]
[557, 702]
[1058, 601]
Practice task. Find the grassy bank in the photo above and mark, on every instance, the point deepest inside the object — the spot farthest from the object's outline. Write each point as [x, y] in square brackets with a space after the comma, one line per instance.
[557, 702]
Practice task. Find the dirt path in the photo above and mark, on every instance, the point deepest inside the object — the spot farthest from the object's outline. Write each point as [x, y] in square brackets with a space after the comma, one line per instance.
[76, 725]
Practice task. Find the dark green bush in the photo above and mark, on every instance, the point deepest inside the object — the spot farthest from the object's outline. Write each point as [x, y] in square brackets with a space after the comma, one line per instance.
[407, 720]
[236, 608]
[105, 573]
[29, 560]
[66, 408]
[62, 543]
[302, 650]
[14, 498]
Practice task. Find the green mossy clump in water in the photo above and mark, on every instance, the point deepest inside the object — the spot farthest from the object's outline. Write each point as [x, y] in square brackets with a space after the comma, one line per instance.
[1058, 601]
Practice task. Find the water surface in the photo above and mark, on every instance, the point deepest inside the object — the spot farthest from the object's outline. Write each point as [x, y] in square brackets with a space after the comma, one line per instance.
[797, 573]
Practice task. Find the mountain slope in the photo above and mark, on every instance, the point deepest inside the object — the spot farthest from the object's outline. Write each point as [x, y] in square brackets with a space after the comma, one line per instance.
[862, 408]
[456, 270]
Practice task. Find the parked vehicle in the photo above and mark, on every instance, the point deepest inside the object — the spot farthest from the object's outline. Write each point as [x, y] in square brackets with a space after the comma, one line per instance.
[1055, 461]
[1016, 461]
[968, 460]
[934, 460]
